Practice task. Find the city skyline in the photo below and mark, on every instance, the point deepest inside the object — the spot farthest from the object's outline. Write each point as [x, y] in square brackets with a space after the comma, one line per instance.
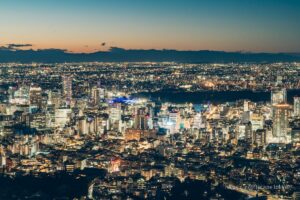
[160, 99]
[147, 130]
[80, 26]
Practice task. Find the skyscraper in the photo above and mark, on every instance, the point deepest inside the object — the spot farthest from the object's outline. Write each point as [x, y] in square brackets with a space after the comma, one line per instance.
[95, 95]
[257, 121]
[115, 112]
[197, 124]
[35, 96]
[248, 131]
[67, 89]
[140, 121]
[246, 105]
[279, 80]
[297, 106]
[54, 98]
[281, 113]
[259, 137]
[278, 96]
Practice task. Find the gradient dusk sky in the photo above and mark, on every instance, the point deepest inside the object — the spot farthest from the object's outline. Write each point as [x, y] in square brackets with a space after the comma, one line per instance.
[83, 25]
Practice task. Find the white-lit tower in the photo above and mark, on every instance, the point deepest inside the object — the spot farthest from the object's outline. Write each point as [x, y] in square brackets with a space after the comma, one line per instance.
[67, 89]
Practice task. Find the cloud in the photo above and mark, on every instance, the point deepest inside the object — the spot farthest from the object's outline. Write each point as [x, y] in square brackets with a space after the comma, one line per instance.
[16, 46]
[52, 50]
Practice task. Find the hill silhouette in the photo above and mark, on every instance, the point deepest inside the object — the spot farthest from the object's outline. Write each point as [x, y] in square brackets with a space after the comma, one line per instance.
[115, 54]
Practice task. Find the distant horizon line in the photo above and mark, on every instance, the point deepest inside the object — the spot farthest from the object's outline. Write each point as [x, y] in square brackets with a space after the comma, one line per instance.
[24, 47]
[25, 53]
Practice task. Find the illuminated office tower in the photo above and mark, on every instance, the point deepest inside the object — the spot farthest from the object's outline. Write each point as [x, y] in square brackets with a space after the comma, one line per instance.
[174, 119]
[150, 115]
[62, 116]
[279, 80]
[44, 101]
[54, 98]
[67, 89]
[96, 95]
[140, 121]
[259, 137]
[245, 118]
[50, 116]
[22, 94]
[115, 112]
[102, 93]
[281, 113]
[35, 96]
[2, 160]
[247, 131]
[101, 90]
[257, 121]
[246, 106]
[197, 124]
[87, 125]
[11, 92]
[38, 121]
[297, 106]
[278, 96]
[82, 125]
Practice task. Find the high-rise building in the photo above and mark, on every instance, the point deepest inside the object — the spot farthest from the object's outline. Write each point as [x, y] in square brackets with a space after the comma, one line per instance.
[140, 121]
[35, 96]
[197, 124]
[101, 90]
[50, 116]
[295, 135]
[54, 98]
[279, 80]
[257, 121]
[174, 120]
[278, 96]
[248, 131]
[297, 106]
[38, 121]
[96, 95]
[281, 113]
[2, 160]
[67, 89]
[62, 116]
[44, 101]
[246, 106]
[115, 112]
[259, 137]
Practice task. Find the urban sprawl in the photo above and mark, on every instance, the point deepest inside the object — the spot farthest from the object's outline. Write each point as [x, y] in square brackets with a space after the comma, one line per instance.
[87, 120]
